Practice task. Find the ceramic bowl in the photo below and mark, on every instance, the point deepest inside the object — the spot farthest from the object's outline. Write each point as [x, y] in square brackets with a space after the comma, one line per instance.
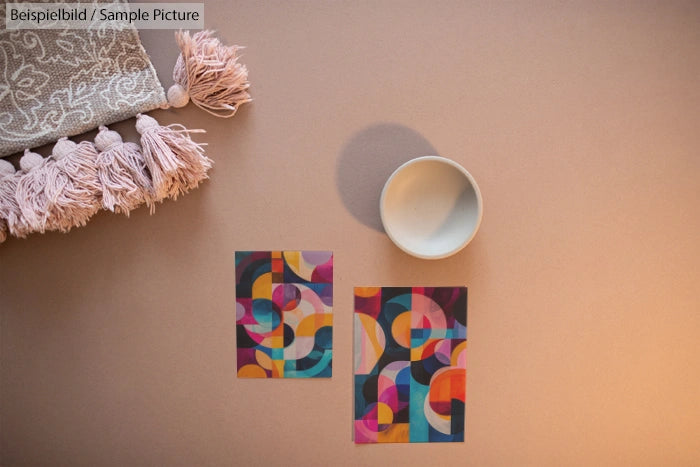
[431, 207]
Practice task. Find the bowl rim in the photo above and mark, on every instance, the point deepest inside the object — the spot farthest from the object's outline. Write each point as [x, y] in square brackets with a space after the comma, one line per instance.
[470, 179]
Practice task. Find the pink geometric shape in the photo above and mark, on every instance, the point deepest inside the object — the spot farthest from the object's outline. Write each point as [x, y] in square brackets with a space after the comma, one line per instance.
[365, 432]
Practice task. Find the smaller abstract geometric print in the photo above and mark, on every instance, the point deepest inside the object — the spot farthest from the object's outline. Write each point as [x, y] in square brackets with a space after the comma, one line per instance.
[284, 320]
[410, 364]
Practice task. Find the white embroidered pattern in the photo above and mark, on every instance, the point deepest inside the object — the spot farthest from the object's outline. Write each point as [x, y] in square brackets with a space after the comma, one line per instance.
[57, 83]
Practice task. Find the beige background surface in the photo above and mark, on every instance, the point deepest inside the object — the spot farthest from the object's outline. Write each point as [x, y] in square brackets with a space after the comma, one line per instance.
[578, 119]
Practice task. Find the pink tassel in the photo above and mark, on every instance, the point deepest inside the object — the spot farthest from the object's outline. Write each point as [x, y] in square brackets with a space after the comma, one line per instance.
[34, 192]
[11, 219]
[75, 191]
[121, 169]
[176, 163]
[208, 73]
[8, 203]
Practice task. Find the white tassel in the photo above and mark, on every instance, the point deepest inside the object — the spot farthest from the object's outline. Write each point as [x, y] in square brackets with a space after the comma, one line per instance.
[121, 169]
[176, 163]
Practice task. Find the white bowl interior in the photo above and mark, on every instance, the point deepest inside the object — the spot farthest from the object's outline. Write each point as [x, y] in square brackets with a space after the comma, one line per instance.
[431, 207]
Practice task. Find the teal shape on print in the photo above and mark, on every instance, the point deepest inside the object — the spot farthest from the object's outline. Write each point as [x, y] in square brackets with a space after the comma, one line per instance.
[320, 369]
[265, 314]
[419, 429]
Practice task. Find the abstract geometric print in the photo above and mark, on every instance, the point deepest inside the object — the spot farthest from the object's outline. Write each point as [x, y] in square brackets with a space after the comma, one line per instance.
[284, 321]
[410, 364]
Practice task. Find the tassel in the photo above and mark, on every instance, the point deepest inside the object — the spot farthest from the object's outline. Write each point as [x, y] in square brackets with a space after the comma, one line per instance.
[34, 192]
[208, 73]
[10, 215]
[121, 169]
[11, 205]
[176, 163]
[74, 190]
[7, 197]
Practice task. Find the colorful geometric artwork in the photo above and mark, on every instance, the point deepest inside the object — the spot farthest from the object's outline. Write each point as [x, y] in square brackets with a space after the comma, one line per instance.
[410, 364]
[284, 320]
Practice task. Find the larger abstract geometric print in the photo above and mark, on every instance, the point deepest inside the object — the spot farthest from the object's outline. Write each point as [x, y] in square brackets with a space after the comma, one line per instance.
[410, 364]
[284, 320]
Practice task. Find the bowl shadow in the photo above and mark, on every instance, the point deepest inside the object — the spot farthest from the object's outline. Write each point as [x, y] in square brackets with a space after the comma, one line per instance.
[366, 162]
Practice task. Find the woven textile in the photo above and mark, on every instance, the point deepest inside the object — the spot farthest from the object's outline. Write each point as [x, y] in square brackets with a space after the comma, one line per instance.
[57, 83]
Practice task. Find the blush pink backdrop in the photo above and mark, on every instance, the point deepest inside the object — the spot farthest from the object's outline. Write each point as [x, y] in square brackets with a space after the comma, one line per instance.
[578, 119]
